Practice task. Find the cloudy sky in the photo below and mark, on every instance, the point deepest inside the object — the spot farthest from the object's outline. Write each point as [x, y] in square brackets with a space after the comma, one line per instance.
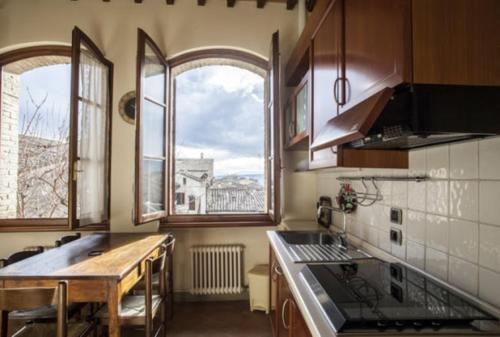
[53, 81]
[220, 112]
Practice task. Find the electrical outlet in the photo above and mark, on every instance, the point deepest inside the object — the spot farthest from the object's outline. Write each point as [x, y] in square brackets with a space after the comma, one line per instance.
[397, 216]
[396, 236]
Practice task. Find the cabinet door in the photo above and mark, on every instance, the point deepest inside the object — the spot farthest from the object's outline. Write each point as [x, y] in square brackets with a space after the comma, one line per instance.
[377, 47]
[298, 327]
[456, 42]
[283, 302]
[326, 58]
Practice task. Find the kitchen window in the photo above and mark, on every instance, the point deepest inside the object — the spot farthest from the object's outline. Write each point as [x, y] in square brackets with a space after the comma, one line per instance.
[55, 137]
[214, 130]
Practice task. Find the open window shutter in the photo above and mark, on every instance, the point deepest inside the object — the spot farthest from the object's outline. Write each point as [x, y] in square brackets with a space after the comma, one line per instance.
[151, 180]
[90, 134]
[272, 115]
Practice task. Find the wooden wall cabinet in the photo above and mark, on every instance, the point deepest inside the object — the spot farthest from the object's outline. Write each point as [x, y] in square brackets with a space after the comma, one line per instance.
[359, 48]
[286, 318]
[297, 113]
[353, 56]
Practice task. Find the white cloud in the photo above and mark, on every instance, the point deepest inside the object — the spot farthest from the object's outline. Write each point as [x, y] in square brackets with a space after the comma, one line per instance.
[233, 79]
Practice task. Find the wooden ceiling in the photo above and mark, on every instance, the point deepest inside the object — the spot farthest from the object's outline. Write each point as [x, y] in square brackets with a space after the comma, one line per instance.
[290, 4]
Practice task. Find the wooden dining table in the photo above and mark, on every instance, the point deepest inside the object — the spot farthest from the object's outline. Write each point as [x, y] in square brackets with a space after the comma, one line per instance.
[99, 268]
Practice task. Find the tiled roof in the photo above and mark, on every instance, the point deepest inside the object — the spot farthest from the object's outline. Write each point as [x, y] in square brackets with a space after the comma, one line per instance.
[235, 200]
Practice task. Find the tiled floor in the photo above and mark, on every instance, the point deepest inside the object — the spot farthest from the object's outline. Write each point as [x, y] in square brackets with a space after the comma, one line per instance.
[216, 319]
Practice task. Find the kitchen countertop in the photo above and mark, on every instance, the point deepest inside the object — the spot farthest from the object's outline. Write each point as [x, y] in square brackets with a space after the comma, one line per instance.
[317, 321]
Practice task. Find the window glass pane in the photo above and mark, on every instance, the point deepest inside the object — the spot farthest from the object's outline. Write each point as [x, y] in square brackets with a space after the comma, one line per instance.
[153, 129]
[219, 141]
[152, 182]
[154, 71]
[34, 123]
[302, 109]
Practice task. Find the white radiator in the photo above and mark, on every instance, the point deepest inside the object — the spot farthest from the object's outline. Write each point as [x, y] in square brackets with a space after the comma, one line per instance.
[216, 269]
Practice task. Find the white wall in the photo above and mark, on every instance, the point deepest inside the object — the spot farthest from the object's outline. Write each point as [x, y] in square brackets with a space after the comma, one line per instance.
[451, 224]
[179, 28]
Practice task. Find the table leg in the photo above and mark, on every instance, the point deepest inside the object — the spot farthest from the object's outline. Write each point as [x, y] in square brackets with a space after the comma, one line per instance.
[114, 329]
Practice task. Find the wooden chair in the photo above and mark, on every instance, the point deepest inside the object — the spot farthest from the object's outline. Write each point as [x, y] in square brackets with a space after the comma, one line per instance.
[67, 239]
[16, 257]
[12, 299]
[46, 313]
[140, 310]
[140, 287]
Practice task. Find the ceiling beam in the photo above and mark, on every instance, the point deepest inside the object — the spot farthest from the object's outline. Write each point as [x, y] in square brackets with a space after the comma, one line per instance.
[202, 2]
[261, 3]
[230, 3]
[290, 4]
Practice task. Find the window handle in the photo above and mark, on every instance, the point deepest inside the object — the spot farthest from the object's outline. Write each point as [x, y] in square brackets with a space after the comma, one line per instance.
[76, 170]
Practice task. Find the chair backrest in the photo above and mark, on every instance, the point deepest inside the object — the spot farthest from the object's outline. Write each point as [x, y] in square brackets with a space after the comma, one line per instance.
[170, 244]
[67, 239]
[32, 298]
[161, 262]
[18, 256]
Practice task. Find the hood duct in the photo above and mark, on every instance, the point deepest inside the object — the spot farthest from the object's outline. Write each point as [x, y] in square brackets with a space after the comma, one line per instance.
[414, 116]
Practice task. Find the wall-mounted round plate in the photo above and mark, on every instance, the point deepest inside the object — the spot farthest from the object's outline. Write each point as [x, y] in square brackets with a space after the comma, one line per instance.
[127, 107]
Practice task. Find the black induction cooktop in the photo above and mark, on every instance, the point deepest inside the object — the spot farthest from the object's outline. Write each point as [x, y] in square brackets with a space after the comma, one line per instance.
[380, 295]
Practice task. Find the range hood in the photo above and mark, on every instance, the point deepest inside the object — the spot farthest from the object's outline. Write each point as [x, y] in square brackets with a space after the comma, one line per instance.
[414, 116]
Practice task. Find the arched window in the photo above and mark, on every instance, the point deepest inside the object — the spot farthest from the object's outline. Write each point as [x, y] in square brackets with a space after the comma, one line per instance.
[55, 113]
[34, 144]
[219, 139]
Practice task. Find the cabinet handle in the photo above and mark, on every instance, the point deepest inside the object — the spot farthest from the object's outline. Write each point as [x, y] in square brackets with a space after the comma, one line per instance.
[335, 87]
[283, 320]
[277, 269]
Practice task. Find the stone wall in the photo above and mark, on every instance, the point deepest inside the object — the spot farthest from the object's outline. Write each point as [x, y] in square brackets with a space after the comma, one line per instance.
[9, 116]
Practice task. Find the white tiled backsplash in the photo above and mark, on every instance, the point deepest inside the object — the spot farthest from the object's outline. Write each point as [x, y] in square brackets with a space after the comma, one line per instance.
[451, 223]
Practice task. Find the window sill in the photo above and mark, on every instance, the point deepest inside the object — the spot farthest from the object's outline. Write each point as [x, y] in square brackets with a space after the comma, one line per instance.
[216, 221]
[56, 225]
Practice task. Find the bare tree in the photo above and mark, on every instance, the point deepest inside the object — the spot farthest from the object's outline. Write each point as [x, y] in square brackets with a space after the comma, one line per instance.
[43, 160]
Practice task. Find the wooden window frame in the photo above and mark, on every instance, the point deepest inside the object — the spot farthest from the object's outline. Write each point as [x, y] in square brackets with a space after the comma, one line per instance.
[79, 38]
[218, 220]
[39, 224]
[144, 40]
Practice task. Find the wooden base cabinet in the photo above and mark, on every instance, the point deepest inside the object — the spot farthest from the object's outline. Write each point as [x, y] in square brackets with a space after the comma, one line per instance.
[286, 318]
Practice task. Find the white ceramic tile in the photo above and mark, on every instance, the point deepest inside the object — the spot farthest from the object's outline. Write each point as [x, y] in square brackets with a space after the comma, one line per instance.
[417, 162]
[437, 197]
[416, 196]
[437, 232]
[464, 203]
[489, 195]
[415, 254]
[489, 247]
[415, 226]
[384, 241]
[385, 188]
[464, 160]
[464, 239]
[384, 219]
[489, 158]
[399, 251]
[488, 286]
[436, 263]
[373, 236]
[463, 274]
[400, 194]
[438, 162]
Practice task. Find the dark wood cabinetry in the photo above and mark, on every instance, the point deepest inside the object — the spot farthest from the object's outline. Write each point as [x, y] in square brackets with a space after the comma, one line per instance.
[456, 42]
[359, 51]
[286, 318]
[377, 48]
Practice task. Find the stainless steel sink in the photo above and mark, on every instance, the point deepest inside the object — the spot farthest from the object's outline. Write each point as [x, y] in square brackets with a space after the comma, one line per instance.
[308, 238]
[319, 247]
